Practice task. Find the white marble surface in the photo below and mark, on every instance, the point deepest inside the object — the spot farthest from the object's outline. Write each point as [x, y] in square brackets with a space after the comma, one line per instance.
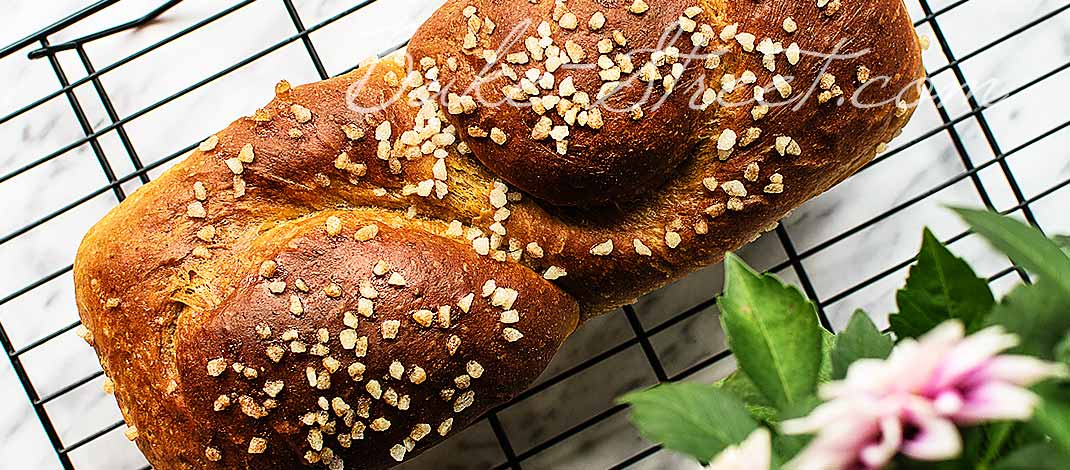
[183, 120]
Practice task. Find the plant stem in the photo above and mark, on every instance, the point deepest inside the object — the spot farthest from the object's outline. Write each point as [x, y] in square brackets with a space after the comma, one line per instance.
[998, 437]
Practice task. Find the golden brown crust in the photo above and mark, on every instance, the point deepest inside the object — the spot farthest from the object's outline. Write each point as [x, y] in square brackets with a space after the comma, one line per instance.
[835, 141]
[623, 157]
[170, 279]
[411, 379]
[200, 318]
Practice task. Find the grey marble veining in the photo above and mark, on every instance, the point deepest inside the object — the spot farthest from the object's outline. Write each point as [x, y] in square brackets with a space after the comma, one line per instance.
[1002, 130]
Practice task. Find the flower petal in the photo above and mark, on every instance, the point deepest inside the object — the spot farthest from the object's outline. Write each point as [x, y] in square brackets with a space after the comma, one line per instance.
[969, 354]
[1017, 370]
[829, 414]
[946, 334]
[919, 360]
[996, 401]
[948, 402]
[864, 376]
[936, 438]
[837, 447]
[754, 453]
[879, 454]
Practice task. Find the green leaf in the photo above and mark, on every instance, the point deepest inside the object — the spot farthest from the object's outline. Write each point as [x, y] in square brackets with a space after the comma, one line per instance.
[1052, 418]
[773, 331]
[1024, 245]
[1035, 457]
[1063, 241]
[861, 340]
[1062, 350]
[903, 462]
[762, 410]
[1039, 314]
[787, 446]
[983, 445]
[828, 343]
[940, 287]
[698, 420]
[995, 437]
[741, 387]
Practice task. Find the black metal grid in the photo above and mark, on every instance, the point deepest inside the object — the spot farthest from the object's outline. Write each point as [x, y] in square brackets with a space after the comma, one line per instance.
[971, 167]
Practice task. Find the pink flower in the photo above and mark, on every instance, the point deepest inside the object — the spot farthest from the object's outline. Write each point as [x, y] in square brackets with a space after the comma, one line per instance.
[754, 453]
[965, 378]
[866, 433]
[911, 402]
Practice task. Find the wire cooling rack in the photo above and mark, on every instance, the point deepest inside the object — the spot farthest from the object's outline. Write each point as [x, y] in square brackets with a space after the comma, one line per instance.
[653, 329]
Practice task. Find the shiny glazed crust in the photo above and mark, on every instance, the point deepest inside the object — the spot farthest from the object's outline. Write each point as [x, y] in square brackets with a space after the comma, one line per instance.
[344, 278]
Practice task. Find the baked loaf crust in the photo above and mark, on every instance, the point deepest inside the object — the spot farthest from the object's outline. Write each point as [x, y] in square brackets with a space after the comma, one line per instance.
[370, 262]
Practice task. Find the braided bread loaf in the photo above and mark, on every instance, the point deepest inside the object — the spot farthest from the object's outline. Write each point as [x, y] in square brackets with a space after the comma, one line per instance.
[371, 262]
